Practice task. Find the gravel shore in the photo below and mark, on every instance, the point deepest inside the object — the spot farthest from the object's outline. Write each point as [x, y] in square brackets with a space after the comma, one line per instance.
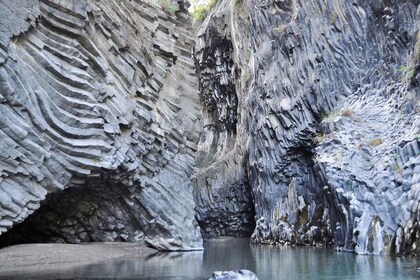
[21, 259]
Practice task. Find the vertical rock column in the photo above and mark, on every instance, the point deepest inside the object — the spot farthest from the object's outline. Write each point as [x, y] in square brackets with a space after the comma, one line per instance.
[223, 194]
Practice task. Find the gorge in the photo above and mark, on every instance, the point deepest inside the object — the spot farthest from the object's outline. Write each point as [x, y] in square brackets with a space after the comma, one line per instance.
[285, 121]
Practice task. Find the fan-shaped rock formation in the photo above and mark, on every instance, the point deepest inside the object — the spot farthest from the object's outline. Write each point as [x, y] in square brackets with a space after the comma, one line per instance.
[99, 122]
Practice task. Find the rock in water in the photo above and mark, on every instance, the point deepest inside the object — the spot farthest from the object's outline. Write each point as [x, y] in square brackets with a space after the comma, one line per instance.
[242, 274]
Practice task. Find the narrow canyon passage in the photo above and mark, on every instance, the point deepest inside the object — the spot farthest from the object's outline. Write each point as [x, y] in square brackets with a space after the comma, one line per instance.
[288, 122]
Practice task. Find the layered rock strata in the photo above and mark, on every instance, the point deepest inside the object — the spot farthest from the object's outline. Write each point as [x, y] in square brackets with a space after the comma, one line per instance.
[99, 122]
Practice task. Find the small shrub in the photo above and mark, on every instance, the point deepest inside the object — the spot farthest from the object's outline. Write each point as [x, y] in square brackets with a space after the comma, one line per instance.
[168, 6]
[330, 117]
[376, 142]
[407, 72]
[318, 138]
[200, 12]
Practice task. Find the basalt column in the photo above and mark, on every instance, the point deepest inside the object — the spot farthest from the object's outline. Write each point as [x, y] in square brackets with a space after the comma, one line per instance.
[99, 120]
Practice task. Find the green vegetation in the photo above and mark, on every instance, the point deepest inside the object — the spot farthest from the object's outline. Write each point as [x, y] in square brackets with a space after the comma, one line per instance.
[330, 117]
[407, 72]
[168, 6]
[376, 142]
[346, 112]
[398, 169]
[318, 138]
[96, 160]
[200, 12]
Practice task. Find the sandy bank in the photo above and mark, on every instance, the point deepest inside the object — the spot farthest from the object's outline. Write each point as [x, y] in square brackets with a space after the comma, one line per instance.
[44, 257]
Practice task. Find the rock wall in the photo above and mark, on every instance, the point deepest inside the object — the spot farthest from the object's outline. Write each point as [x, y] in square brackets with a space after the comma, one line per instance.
[295, 121]
[328, 119]
[99, 122]
[223, 193]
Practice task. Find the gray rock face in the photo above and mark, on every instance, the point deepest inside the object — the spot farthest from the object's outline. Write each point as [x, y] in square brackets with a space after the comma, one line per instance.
[223, 192]
[99, 122]
[242, 274]
[296, 121]
[297, 65]
[369, 154]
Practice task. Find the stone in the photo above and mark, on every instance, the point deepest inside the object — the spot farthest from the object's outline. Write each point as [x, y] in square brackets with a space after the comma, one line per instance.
[242, 274]
[291, 122]
[306, 118]
[92, 92]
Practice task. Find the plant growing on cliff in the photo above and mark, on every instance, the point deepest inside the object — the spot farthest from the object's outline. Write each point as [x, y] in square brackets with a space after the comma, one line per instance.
[318, 138]
[330, 117]
[346, 112]
[200, 12]
[376, 142]
[168, 6]
[407, 73]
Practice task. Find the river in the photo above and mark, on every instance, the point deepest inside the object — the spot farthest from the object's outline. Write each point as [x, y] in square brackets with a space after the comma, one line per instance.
[268, 262]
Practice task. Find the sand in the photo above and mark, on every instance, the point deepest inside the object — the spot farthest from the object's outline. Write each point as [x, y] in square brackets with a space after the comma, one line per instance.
[52, 257]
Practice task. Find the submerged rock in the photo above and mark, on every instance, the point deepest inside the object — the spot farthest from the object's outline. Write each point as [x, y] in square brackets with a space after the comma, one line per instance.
[242, 274]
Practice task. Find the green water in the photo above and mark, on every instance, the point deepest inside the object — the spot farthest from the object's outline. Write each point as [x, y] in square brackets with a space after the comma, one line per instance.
[268, 262]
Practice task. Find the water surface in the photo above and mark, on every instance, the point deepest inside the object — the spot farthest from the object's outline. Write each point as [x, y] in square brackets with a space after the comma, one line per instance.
[269, 262]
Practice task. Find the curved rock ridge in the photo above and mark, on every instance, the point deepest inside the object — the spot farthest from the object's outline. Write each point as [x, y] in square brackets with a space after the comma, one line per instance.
[99, 122]
[329, 97]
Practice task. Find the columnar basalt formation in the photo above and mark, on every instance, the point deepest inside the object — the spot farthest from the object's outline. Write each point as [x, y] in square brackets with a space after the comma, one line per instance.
[223, 192]
[295, 121]
[99, 122]
[331, 99]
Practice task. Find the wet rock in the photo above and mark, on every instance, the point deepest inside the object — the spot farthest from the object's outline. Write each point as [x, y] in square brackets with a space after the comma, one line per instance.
[242, 274]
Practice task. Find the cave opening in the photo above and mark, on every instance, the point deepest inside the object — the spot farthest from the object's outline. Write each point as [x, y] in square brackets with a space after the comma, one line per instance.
[89, 213]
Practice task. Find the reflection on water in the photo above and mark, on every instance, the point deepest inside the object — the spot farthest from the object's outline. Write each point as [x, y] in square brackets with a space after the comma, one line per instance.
[269, 262]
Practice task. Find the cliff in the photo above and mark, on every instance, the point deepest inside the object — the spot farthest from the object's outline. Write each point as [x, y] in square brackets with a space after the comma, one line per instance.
[99, 122]
[316, 108]
[292, 121]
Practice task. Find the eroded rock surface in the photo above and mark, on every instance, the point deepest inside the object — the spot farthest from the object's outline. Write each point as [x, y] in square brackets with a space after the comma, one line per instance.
[297, 65]
[242, 274]
[296, 121]
[99, 120]
[223, 192]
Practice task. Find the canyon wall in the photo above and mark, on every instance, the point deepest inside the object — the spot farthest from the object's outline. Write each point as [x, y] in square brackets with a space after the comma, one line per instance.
[327, 118]
[99, 122]
[289, 121]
